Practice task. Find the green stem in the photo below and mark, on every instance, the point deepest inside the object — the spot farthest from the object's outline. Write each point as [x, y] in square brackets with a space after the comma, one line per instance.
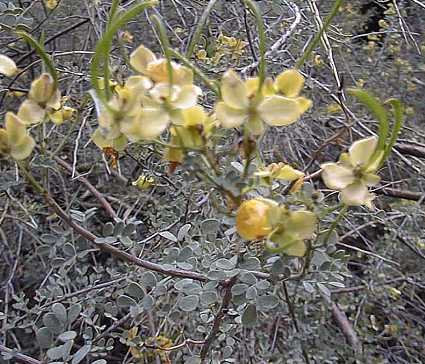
[104, 45]
[39, 48]
[262, 44]
[335, 224]
[316, 39]
[165, 44]
[294, 320]
[198, 31]
[211, 84]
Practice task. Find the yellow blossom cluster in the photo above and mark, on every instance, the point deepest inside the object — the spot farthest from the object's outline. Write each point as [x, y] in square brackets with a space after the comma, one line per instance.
[158, 95]
[355, 172]
[275, 103]
[284, 229]
[44, 99]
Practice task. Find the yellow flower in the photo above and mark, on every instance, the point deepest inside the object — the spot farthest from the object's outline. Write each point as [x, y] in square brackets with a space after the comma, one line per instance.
[127, 37]
[243, 104]
[7, 66]
[291, 232]
[65, 113]
[284, 230]
[118, 142]
[143, 60]
[14, 138]
[253, 218]
[42, 98]
[143, 182]
[280, 171]
[121, 110]
[51, 4]
[354, 173]
[163, 105]
[289, 84]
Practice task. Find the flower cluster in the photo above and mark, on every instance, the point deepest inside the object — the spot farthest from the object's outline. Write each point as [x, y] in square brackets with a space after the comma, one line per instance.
[44, 99]
[285, 230]
[355, 172]
[247, 103]
[160, 94]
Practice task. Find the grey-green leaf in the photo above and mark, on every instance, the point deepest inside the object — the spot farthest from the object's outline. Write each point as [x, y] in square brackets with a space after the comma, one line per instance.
[73, 312]
[125, 301]
[135, 290]
[67, 335]
[60, 312]
[189, 303]
[249, 316]
[44, 338]
[81, 354]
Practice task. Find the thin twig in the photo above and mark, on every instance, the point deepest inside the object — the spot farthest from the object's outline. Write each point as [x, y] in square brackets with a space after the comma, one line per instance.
[219, 318]
[22, 358]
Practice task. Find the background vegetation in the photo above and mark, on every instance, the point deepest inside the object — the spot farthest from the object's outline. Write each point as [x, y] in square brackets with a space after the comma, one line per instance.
[63, 300]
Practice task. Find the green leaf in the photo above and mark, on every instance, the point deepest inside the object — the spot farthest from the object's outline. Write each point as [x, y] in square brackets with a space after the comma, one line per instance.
[67, 335]
[239, 289]
[183, 232]
[52, 323]
[209, 297]
[225, 264]
[39, 48]
[60, 312]
[198, 30]
[148, 280]
[104, 45]
[249, 316]
[398, 111]
[73, 312]
[125, 301]
[169, 236]
[189, 303]
[135, 290]
[44, 338]
[81, 354]
[148, 302]
[267, 302]
[55, 353]
[377, 110]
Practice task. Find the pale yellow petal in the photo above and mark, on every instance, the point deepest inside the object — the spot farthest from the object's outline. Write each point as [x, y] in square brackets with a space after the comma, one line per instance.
[187, 97]
[362, 150]
[30, 112]
[15, 128]
[4, 143]
[304, 104]
[182, 75]
[119, 143]
[149, 124]
[370, 179]
[24, 149]
[288, 173]
[42, 88]
[337, 177]
[194, 115]
[234, 91]
[141, 57]
[290, 83]
[297, 248]
[279, 110]
[7, 66]
[229, 117]
[55, 100]
[302, 224]
[356, 194]
[138, 83]
[255, 125]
